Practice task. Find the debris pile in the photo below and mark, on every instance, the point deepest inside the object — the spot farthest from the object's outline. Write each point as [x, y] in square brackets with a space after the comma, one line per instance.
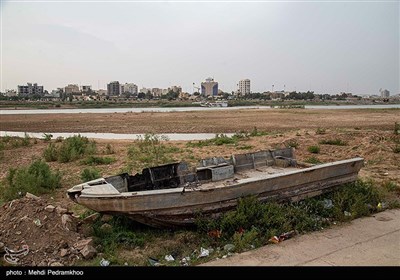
[34, 232]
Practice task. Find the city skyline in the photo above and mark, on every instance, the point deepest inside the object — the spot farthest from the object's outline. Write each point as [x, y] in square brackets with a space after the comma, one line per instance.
[324, 47]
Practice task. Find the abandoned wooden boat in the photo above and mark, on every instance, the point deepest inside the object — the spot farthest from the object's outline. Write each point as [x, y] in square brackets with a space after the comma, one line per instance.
[174, 194]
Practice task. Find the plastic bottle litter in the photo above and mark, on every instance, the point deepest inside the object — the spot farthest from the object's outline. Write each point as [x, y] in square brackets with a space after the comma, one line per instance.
[104, 262]
[327, 203]
[203, 253]
[169, 258]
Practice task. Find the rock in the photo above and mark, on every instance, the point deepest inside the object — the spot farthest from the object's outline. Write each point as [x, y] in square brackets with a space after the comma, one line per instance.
[49, 208]
[82, 243]
[106, 218]
[88, 252]
[29, 195]
[61, 210]
[229, 247]
[106, 227]
[56, 264]
[91, 218]
[63, 244]
[64, 252]
[42, 263]
[68, 223]
[2, 250]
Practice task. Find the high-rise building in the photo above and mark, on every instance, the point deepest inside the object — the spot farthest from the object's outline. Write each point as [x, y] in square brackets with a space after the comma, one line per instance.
[384, 93]
[209, 87]
[130, 88]
[30, 89]
[72, 89]
[86, 89]
[244, 86]
[113, 88]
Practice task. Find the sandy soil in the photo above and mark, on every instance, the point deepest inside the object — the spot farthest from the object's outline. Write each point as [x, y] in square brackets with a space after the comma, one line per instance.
[203, 122]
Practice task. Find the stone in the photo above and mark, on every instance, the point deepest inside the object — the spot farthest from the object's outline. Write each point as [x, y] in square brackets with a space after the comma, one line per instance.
[49, 208]
[88, 252]
[29, 195]
[106, 227]
[91, 218]
[68, 223]
[64, 252]
[82, 243]
[61, 210]
[56, 264]
[106, 218]
[229, 247]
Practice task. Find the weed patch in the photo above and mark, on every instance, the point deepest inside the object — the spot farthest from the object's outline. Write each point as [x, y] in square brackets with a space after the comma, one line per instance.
[314, 149]
[94, 160]
[336, 142]
[313, 160]
[89, 174]
[36, 178]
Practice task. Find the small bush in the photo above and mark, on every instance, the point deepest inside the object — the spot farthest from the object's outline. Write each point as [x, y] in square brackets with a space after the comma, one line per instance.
[313, 160]
[337, 142]
[89, 174]
[396, 128]
[36, 178]
[255, 132]
[245, 147]
[47, 136]
[320, 130]
[218, 140]
[50, 153]
[109, 149]
[151, 151]
[396, 149]
[93, 160]
[70, 149]
[314, 149]
[292, 143]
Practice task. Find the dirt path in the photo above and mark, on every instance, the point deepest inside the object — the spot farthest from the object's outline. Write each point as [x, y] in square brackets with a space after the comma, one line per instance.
[203, 121]
[371, 241]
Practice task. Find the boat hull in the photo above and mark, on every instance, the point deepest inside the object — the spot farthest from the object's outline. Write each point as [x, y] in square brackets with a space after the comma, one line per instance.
[180, 206]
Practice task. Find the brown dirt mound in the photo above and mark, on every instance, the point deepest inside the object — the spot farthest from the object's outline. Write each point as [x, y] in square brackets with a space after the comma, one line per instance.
[48, 231]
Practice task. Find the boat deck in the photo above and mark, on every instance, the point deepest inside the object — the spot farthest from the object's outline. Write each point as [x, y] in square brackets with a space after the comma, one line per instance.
[261, 173]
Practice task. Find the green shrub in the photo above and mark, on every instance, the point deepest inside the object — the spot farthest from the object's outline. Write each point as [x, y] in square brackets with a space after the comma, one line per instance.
[313, 160]
[89, 174]
[396, 149]
[292, 143]
[255, 132]
[47, 136]
[36, 178]
[50, 153]
[320, 130]
[337, 142]
[151, 151]
[94, 160]
[314, 149]
[396, 128]
[72, 148]
[109, 149]
[218, 140]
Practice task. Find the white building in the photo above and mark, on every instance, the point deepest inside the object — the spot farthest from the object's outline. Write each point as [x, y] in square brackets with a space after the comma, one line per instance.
[384, 93]
[244, 86]
[130, 88]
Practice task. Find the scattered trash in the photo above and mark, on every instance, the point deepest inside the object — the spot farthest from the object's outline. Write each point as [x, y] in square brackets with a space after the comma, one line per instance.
[126, 264]
[203, 253]
[224, 256]
[287, 235]
[104, 262]
[347, 214]
[215, 233]
[185, 261]
[381, 205]
[229, 247]
[11, 256]
[274, 239]
[37, 222]
[154, 262]
[327, 203]
[169, 258]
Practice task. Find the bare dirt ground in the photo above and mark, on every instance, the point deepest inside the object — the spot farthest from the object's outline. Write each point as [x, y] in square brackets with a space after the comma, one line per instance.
[203, 121]
[368, 134]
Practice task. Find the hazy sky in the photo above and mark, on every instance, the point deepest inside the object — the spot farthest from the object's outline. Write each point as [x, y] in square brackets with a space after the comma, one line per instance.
[326, 47]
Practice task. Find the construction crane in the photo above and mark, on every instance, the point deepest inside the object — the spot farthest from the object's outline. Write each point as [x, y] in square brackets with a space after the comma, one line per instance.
[194, 87]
